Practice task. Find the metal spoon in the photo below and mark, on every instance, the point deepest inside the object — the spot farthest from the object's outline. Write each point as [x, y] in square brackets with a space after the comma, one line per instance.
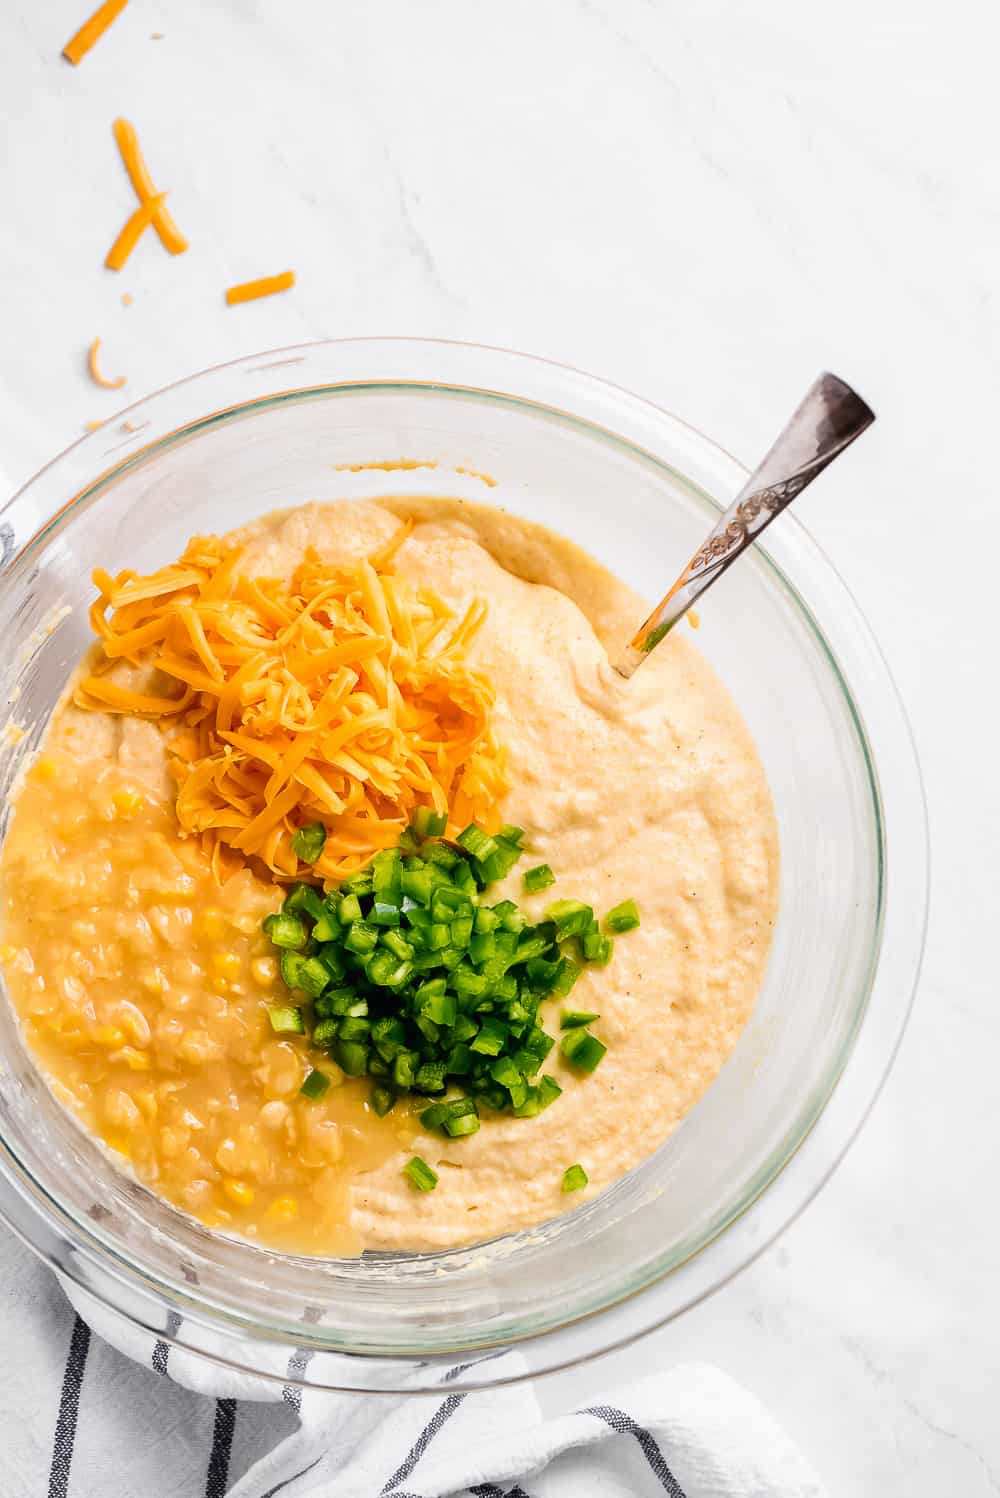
[827, 421]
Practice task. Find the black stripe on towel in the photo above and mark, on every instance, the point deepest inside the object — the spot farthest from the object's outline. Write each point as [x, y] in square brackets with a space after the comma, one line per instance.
[440, 1418]
[286, 1481]
[292, 1393]
[161, 1351]
[461, 1368]
[69, 1408]
[217, 1479]
[625, 1426]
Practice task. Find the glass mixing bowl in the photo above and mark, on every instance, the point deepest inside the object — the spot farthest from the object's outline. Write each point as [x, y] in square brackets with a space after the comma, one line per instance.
[638, 489]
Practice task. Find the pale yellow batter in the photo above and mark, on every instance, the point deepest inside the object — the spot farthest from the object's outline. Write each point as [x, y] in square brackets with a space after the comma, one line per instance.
[142, 986]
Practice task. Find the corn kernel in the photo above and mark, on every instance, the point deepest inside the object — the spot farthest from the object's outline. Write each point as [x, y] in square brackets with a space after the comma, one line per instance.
[153, 982]
[273, 1114]
[119, 1143]
[264, 970]
[63, 1094]
[7, 953]
[44, 768]
[147, 1101]
[282, 1208]
[238, 1191]
[109, 1035]
[212, 924]
[126, 803]
[134, 1060]
[120, 1110]
[134, 1021]
[197, 1046]
[226, 964]
[173, 1142]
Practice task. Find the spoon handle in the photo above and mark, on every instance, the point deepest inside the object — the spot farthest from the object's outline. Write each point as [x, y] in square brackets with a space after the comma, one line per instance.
[827, 421]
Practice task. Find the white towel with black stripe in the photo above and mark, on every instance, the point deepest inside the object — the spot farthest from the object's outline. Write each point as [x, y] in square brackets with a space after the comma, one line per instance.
[89, 1406]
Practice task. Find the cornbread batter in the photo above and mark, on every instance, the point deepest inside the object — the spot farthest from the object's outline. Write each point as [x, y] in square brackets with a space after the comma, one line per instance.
[142, 985]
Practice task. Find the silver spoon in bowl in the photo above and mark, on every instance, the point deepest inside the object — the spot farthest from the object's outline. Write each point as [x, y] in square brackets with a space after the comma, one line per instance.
[826, 422]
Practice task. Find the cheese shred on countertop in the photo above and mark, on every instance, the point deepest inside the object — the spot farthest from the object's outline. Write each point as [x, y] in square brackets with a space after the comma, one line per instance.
[340, 695]
[92, 30]
[94, 367]
[249, 291]
[152, 207]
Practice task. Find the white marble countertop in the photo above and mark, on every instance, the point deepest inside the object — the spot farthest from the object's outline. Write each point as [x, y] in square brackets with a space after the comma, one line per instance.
[707, 204]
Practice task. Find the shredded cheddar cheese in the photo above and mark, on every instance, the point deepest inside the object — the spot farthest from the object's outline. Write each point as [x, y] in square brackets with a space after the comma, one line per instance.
[152, 207]
[327, 697]
[91, 31]
[95, 371]
[134, 227]
[266, 286]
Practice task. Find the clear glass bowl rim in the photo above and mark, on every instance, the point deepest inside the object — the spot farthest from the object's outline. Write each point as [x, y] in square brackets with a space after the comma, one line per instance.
[884, 731]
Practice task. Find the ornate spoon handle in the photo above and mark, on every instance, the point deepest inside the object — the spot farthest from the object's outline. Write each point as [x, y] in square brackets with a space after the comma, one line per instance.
[829, 418]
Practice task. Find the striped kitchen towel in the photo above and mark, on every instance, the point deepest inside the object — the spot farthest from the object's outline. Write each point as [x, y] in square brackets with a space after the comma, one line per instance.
[82, 1418]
